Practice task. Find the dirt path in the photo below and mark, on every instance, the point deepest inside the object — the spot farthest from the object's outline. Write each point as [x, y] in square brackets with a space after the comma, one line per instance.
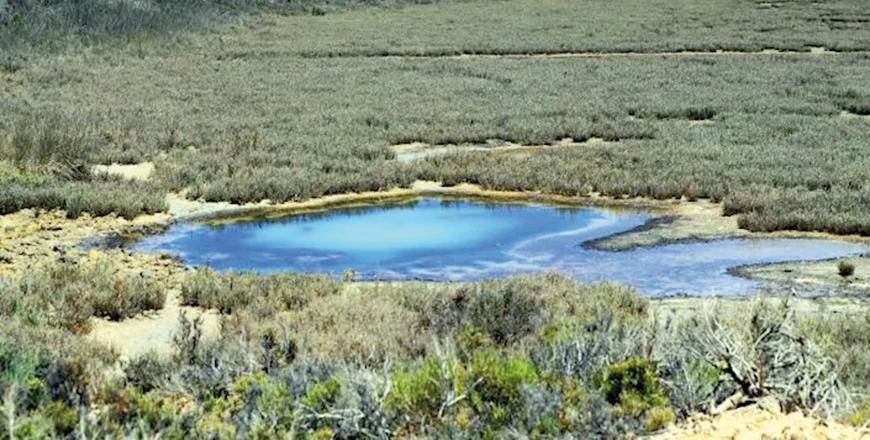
[151, 332]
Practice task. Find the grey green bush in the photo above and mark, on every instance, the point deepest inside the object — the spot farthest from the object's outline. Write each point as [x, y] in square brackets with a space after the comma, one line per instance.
[67, 295]
[590, 361]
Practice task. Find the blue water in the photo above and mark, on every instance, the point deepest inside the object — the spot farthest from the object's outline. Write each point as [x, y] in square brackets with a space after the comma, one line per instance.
[462, 240]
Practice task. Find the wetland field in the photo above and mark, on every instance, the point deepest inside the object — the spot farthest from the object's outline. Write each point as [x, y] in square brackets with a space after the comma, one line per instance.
[434, 219]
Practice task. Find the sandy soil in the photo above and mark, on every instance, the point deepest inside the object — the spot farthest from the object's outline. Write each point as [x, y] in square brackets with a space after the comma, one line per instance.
[846, 114]
[760, 422]
[665, 307]
[686, 221]
[419, 150]
[141, 171]
[817, 275]
[151, 332]
[28, 236]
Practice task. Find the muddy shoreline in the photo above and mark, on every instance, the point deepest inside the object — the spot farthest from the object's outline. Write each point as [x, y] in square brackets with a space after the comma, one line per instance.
[30, 236]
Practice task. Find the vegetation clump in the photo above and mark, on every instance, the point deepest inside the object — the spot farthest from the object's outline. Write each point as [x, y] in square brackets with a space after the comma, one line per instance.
[233, 291]
[845, 268]
[67, 295]
[590, 361]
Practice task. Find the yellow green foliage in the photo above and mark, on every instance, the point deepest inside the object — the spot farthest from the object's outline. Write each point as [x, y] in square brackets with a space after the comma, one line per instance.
[658, 418]
[861, 417]
[632, 385]
[419, 390]
[497, 380]
[322, 395]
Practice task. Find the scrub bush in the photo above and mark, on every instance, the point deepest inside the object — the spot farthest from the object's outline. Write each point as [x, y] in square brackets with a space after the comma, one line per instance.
[233, 291]
[845, 269]
[420, 392]
[98, 198]
[507, 310]
[68, 295]
[633, 385]
[498, 384]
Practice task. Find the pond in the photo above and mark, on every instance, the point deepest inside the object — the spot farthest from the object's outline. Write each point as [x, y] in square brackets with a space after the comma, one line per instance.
[466, 240]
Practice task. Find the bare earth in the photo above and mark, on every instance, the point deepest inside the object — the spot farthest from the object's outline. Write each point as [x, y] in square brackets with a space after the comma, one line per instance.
[754, 422]
[141, 171]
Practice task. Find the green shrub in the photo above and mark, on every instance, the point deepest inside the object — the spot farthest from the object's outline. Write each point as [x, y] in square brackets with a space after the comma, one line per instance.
[861, 416]
[50, 143]
[499, 380]
[845, 268]
[633, 385]
[418, 391]
[126, 298]
[503, 310]
[97, 198]
[321, 396]
[658, 418]
[147, 372]
[68, 295]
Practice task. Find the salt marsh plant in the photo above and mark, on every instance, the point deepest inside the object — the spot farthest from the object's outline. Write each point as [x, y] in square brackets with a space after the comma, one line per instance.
[67, 295]
[590, 365]
[775, 147]
[229, 292]
[845, 268]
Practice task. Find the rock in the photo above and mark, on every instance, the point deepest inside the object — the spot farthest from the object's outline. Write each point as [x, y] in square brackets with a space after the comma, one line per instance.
[770, 404]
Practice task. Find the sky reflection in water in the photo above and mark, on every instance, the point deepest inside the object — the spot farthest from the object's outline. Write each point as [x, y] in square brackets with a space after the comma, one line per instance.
[462, 240]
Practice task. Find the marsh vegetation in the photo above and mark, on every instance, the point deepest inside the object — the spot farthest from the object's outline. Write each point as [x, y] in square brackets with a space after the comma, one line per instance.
[247, 118]
[311, 356]
[242, 101]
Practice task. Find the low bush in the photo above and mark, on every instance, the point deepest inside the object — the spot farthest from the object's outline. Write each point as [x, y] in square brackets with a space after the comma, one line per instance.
[497, 384]
[52, 144]
[633, 385]
[97, 198]
[233, 291]
[845, 268]
[762, 353]
[616, 374]
[510, 309]
[68, 295]
[368, 328]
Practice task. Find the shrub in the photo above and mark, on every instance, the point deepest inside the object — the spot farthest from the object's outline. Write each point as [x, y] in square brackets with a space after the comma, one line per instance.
[426, 391]
[232, 291]
[368, 327]
[98, 198]
[50, 143]
[499, 380]
[322, 395]
[761, 353]
[125, 299]
[845, 268]
[658, 418]
[504, 310]
[68, 295]
[861, 416]
[578, 352]
[148, 372]
[633, 385]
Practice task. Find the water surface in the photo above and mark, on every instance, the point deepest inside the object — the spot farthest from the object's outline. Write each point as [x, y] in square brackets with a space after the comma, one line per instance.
[463, 240]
